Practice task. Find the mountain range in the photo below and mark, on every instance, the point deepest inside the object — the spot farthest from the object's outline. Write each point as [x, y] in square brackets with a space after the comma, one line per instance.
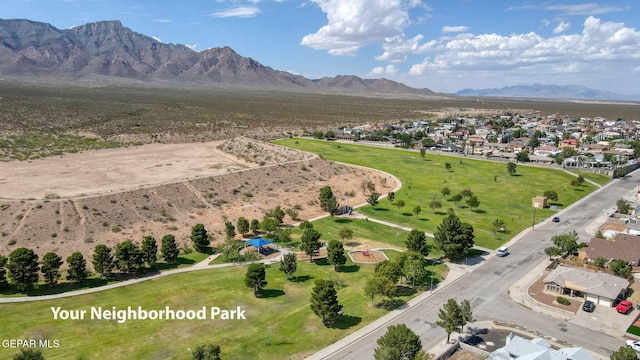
[108, 51]
[537, 91]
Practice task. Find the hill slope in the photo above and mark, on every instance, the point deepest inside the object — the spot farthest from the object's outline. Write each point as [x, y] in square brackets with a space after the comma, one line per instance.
[109, 50]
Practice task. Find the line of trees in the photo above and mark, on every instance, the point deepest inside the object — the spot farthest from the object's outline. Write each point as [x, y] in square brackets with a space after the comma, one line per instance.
[23, 267]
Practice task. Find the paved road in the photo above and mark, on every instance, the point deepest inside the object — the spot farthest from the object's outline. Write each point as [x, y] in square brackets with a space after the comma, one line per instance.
[486, 286]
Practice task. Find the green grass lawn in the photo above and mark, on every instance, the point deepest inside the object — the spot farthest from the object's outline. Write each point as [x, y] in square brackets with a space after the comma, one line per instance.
[294, 331]
[501, 196]
[597, 178]
[367, 233]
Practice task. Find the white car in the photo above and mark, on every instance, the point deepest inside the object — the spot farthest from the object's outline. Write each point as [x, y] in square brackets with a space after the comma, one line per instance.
[635, 345]
[503, 251]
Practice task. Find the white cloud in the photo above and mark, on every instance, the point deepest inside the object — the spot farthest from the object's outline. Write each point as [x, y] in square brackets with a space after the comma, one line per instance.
[356, 23]
[388, 70]
[562, 27]
[239, 11]
[397, 48]
[192, 47]
[584, 9]
[163, 20]
[603, 50]
[454, 29]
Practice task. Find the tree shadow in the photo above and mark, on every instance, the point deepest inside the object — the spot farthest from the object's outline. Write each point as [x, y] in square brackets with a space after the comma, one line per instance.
[321, 262]
[353, 243]
[44, 289]
[406, 214]
[343, 221]
[345, 322]
[165, 266]
[350, 268]
[381, 209]
[403, 290]
[391, 304]
[479, 211]
[302, 278]
[271, 293]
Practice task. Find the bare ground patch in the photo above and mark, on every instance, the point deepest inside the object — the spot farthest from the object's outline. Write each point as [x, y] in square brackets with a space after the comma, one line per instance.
[144, 195]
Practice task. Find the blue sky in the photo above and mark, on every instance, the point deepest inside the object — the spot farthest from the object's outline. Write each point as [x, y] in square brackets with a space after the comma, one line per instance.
[443, 45]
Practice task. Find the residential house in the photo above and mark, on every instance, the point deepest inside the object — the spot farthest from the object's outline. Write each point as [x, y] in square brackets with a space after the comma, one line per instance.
[598, 287]
[625, 247]
[536, 349]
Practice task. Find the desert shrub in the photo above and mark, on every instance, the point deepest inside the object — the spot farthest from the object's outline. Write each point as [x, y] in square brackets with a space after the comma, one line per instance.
[563, 301]
[12, 242]
[116, 229]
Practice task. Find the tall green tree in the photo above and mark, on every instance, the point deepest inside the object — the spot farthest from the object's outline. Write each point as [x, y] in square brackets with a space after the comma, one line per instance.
[551, 195]
[310, 242]
[345, 233]
[620, 267]
[414, 268]
[51, 263]
[466, 313]
[128, 256]
[23, 268]
[473, 202]
[624, 353]
[567, 242]
[389, 269]
[77, 267]
[335, 254]
[255, 278]
[289, 265]
[398, 343]
[511, 168]
[254, 225]
[149, 250]
[200, 238]
[453, 237]
[391, 196]
[243, 226]
[102, 260]
[417, 210]
[623, 206]
[276, 213]
[400, 204]
[417, 242]
[169, 249]
[332, 206]
[435, 204]
[450, 319]
[3, 272]
[206, 352]
[380, 286]
[230, 230]
[373, 199]
[447, 166]
[445, 191]
[324, 301]
[326, 194]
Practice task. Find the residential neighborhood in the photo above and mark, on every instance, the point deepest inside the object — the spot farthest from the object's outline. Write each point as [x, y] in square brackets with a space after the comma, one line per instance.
[570, 142]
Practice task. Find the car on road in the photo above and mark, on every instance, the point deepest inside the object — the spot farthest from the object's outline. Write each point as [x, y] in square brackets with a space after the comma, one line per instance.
[635, 345]
[624, 307]
[588, 306]
[555, 219]
[502, 251]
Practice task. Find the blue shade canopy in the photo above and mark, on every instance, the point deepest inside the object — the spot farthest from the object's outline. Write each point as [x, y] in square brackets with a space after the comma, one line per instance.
[259, 242]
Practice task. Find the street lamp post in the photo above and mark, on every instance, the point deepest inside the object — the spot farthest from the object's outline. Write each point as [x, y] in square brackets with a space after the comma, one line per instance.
[533, 225]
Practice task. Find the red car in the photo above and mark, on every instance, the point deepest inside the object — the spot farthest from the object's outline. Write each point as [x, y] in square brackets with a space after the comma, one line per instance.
[624, 307]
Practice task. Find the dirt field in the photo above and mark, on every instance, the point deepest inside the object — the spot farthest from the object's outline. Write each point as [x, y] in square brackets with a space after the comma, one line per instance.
[109, 196]
[105, 171]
